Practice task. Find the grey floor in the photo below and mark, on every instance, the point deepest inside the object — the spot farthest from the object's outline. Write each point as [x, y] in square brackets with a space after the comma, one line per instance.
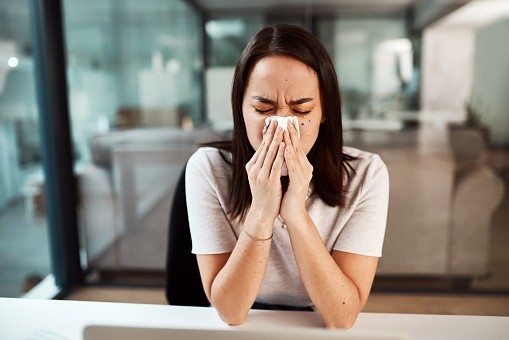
[24, 248]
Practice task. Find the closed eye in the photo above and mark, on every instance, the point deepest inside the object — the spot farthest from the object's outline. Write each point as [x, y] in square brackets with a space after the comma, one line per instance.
[263, 111]
[301, 112]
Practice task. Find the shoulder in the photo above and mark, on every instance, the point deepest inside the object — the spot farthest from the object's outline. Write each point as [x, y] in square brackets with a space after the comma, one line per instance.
[363, 159]
[208, 160]
[366, 166]
[209, 155]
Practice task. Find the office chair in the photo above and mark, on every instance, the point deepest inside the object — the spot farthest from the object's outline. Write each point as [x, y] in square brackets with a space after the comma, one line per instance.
[183, 281]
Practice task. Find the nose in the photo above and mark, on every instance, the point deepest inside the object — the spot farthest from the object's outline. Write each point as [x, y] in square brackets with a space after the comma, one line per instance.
[284, 112]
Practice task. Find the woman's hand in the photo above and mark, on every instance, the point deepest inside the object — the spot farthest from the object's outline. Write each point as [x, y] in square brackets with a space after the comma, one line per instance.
[293, 206]
[232, 280]
[264, 172]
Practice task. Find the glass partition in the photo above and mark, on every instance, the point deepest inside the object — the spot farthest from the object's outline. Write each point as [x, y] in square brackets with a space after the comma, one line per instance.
[374, 58]
[430, 106]
[135, 96]
[138, 108]
[24, 245]
[445, 153]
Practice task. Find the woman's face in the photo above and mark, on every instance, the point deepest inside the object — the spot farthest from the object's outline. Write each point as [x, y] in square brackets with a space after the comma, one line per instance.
[282, 86]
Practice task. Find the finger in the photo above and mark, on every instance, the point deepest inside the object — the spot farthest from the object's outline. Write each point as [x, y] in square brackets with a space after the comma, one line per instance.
[294, 135]
[292, 148]
[269, 131]
[301, 155]
[267, 140]
[261, 149]
[272, 152]
[278, 162]
[299, 167]
[290, 156]
[287, 139]
[257, 153]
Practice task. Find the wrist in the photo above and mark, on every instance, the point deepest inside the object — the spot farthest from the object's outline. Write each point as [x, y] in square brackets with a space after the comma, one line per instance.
[260, 217]
[296, 218]
[294, 210]
[257, 224]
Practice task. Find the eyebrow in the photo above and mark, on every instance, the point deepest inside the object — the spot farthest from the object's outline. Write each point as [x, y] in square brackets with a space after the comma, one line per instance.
[293, 102]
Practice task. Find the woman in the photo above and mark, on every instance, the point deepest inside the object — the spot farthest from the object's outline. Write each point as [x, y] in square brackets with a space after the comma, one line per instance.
[308, 240]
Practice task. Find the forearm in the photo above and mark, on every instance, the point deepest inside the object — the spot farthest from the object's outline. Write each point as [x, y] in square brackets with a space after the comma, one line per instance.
[236, 286]
[334, 295]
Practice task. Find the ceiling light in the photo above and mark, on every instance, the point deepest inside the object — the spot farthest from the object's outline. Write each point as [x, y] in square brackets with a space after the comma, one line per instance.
[12, 62]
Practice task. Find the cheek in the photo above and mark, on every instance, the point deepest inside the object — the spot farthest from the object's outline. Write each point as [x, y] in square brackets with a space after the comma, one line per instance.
[254, 127]
[309, 128]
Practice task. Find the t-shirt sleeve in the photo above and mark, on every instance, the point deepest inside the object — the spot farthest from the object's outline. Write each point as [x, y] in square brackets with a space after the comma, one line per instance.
[211, 231]
[364, 231]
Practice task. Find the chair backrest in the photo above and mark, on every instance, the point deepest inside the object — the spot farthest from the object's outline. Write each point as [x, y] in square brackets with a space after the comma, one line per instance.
[183, 282]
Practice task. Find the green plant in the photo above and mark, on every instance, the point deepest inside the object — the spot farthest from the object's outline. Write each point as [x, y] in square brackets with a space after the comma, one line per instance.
[474, 115]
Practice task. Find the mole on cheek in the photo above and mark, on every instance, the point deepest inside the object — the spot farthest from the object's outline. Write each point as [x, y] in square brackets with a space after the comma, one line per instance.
[301, 123]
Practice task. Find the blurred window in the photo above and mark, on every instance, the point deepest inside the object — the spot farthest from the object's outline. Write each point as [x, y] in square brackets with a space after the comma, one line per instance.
[24, 245]
[135, 94]
[374, 59]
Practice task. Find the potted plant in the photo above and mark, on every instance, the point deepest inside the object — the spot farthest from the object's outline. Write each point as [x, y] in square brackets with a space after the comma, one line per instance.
[470, 139]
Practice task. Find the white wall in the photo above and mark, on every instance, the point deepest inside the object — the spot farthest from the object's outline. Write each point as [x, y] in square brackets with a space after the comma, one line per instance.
[354, 46]
[491, 79]
[466, 56]
[218, 84]
[447, 60]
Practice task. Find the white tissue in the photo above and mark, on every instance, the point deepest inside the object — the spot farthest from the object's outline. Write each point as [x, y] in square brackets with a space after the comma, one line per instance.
[283, 122]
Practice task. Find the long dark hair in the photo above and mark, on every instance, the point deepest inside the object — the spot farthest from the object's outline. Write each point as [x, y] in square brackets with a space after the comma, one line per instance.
[329, 162]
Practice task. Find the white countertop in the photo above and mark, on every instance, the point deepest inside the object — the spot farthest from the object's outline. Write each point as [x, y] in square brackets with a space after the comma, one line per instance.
[56, 319]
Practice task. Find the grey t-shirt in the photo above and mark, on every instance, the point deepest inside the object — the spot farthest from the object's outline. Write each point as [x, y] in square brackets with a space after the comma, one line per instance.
[357, 228]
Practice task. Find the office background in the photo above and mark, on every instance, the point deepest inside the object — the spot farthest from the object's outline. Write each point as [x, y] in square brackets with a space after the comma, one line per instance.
[423, 83]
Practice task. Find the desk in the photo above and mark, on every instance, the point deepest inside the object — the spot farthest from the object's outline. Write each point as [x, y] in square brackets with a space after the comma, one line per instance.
[24, 318]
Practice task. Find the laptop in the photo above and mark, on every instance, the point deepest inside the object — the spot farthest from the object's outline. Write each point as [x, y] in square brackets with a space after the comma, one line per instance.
[97, 332]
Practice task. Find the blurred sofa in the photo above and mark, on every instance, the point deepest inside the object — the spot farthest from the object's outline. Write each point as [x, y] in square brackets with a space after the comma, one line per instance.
[126, 192]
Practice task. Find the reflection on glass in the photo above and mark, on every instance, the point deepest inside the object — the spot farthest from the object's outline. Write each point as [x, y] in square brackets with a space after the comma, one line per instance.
[24, 248]
[226, 38]
[374, 59]
[136, 100]
[135, 95]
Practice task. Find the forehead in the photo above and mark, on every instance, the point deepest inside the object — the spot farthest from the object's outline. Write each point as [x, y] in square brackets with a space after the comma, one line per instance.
[274, 72]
